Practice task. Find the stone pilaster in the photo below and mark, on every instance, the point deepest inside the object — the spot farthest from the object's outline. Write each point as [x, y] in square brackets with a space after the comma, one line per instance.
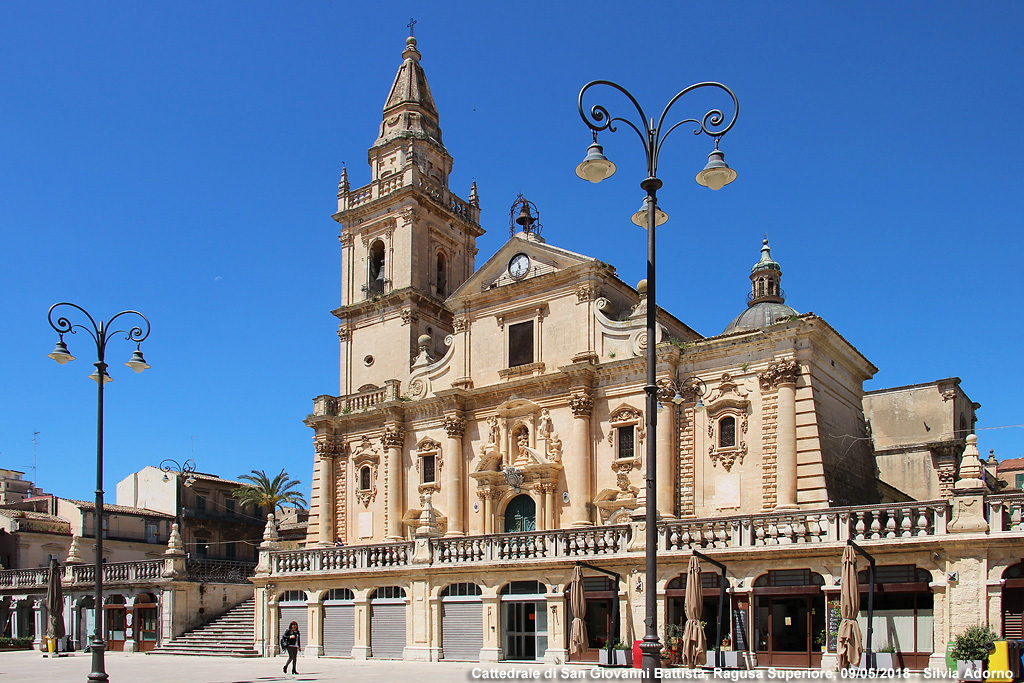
[577, 461]
[455, 466]
[668, 456]
[781, 377]
[323, 501]
[394, 440]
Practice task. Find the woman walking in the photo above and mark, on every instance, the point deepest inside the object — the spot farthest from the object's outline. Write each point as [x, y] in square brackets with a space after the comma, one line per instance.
[291, 641]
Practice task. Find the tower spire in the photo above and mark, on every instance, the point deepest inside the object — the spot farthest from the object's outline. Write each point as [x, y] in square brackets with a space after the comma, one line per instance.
[766, 279]
[409, 111]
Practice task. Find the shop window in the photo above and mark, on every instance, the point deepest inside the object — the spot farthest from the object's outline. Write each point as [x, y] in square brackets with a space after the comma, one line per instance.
[460, 590]
[388, 592]
[340, 594]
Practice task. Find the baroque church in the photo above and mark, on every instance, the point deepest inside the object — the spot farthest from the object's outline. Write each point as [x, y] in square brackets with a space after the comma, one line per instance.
[488, 435]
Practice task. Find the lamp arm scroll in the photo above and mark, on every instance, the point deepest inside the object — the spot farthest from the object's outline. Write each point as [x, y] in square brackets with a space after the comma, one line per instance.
[599, 113]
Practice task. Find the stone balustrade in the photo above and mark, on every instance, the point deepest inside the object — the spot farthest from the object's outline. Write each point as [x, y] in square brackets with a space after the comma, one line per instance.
[340, 559]
[913, 520]
[145, 571]
[1006, 512]
[359, 401]
[385, 186]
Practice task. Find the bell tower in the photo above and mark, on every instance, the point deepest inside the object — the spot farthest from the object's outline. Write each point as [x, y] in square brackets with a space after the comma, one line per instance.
[407, 241]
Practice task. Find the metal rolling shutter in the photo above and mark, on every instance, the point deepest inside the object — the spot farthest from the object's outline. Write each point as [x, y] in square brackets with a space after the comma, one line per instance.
[290, 613]
[339, 630]
[1013, 613]
[387, 630]
[462, 630]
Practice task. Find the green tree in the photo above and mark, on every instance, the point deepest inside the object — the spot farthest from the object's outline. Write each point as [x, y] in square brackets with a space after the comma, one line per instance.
[262, 491]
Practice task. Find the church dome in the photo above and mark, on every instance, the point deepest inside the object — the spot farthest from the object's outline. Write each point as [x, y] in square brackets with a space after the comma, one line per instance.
[766, 302]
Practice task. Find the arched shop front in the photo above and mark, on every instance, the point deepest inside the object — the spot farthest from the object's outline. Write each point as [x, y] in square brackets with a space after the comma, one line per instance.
[789, 610]
[675, 599]
[903, 609]
[599, 593]
[524, 620]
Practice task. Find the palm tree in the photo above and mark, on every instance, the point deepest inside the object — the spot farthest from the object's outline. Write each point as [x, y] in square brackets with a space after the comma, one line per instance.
[262, 491]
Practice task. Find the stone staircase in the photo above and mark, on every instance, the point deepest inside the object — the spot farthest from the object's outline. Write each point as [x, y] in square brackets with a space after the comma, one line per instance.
[229, 635]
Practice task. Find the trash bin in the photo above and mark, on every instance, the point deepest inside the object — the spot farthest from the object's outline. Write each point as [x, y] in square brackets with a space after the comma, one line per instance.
[999, 662]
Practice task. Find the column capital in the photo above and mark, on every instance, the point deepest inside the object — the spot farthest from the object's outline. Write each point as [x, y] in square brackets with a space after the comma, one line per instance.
[327, 448]
[581, 403]
[779, 373]
[455, 426]
[393, 436]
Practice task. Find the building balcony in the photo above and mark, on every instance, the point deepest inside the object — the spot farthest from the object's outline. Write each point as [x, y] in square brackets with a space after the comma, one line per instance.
[871, 525]
[330, 406]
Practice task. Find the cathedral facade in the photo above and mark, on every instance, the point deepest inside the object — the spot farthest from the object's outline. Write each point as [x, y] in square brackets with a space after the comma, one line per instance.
[489, 434]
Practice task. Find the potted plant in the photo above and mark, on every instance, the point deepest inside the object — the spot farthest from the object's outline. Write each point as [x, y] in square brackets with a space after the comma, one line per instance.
[970, 650]
[821, 640]
[621, 655]
[885, 657]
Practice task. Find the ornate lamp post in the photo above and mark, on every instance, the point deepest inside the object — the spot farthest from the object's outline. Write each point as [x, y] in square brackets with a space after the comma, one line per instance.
[101, 334]
[715, 175]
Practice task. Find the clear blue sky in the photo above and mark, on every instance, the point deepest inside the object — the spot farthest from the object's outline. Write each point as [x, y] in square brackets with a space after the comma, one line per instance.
[183, 159]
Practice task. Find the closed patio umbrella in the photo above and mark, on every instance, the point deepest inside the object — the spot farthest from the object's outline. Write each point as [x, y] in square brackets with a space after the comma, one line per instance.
[54, 602]
[849, 605]
[578, 604]
[694, 643]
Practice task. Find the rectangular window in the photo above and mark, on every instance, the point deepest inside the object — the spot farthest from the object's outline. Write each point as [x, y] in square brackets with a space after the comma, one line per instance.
[230, 551]
[200, 503]
[626, 441]
[520, 344]
[152, 532]
[1018, 480]
[229, 506]
[428, 469]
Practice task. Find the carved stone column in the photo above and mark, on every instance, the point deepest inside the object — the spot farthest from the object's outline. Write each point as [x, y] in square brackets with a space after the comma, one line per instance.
[782, 376]
[325, 451]
[668, 455]
[577, 461]
[455, 465]
[393, 440]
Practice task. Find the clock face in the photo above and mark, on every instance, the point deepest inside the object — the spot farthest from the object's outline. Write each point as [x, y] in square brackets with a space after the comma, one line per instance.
[519, 266]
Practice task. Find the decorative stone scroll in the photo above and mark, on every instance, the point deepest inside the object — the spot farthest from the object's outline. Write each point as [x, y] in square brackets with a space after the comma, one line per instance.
[328, 448]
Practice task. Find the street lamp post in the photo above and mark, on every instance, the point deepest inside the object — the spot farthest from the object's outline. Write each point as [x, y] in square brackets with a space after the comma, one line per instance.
[715, 175]
[101, 334]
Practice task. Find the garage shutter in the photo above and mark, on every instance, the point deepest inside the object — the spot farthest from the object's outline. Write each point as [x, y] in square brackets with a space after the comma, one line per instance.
[290, 613]
[387, 630]
[339, 630]
[462, 630]
[1013, 613]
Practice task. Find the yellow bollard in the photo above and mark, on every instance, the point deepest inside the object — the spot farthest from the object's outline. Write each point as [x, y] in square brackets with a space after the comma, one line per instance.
[999, 661]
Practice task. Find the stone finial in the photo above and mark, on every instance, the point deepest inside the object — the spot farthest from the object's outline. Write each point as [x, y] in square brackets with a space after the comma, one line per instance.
[75, 551]
[474, 198]
[424, 357]
[428, 518]
[971, 473]
[271, 539]
[343, 183]
[175, 547]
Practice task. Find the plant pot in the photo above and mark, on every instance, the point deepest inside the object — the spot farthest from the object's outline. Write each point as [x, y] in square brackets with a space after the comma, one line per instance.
[970, 670]
[618, 658]
[883, 660]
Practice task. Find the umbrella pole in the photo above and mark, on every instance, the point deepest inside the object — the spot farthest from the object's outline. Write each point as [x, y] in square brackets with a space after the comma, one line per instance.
[871, 603]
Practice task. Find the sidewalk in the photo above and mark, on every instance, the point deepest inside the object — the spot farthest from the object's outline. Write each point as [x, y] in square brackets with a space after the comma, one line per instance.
[26, 666]
[30, 667]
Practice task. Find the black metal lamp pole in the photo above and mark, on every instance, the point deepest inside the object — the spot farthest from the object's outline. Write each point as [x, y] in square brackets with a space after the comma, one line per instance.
[100, 333]
[595, 168]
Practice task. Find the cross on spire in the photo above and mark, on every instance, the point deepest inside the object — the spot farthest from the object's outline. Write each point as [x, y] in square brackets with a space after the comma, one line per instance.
[411, 25]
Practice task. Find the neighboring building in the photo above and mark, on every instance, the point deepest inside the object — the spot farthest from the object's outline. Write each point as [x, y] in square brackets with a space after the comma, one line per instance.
[918, 434]
[14, 487]
[213, 523]
[490, 433]
[1011, 473]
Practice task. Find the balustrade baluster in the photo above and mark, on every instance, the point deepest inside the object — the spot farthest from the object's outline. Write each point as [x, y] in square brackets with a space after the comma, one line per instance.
[859, 527]
[876, 524]
[906, 523]
[890, 523]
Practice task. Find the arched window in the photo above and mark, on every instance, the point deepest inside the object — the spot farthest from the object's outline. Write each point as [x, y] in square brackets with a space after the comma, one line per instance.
[460, 590]
[727, 432]
[375, 285]
[388, 593]
[442, 275]
[364, 478]
[339, 594]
